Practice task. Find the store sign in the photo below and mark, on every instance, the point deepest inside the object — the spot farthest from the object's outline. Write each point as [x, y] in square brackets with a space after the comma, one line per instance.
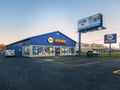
[56, 41]
[110, 38]
[50, 40]
[59, 41]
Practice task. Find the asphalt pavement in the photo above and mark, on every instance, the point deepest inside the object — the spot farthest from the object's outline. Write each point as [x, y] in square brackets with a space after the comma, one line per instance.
[59, 73]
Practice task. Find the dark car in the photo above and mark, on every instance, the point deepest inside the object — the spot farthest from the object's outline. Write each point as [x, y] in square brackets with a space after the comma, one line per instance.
[92, 53]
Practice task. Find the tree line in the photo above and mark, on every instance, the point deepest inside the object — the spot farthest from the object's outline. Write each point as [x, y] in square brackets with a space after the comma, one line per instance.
[2, 46]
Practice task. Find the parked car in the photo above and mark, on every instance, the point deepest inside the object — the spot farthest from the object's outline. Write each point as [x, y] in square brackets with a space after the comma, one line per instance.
[9, 53]
[92, 53]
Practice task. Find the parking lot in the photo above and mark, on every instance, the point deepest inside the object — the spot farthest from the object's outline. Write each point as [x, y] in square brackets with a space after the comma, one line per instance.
[59, 73]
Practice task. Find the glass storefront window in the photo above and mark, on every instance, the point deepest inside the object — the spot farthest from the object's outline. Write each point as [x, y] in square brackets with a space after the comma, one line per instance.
[35, 50]
[48, 50]
[72, 50]
[26, 50]
[51, 50]
[64, 50]
[67, 50]
[42, 50]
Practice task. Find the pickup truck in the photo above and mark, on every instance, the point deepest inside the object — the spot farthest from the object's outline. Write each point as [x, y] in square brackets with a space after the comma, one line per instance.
[92, 53]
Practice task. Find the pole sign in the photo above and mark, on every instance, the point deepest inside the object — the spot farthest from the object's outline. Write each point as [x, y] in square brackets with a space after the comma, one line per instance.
[110, 38]
[92, 23]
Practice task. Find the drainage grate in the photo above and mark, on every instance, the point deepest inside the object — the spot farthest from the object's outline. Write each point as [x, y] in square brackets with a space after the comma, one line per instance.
[116, 72]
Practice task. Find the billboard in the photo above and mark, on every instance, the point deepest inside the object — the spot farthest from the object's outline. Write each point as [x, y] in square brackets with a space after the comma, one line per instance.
[110, 38]
[90, 23]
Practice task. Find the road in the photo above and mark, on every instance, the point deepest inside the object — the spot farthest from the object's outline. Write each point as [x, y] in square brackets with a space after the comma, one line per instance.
[59, 73]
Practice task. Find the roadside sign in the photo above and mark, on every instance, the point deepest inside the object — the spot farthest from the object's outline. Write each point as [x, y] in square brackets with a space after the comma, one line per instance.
[90, 23]
[110, 38]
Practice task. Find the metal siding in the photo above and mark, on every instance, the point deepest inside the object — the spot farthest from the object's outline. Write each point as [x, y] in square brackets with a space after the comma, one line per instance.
[27, 42]
[43, 40]
[18, 47]
[17, 51]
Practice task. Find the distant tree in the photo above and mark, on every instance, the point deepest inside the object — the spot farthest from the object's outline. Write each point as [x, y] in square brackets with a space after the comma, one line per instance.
[2, 46]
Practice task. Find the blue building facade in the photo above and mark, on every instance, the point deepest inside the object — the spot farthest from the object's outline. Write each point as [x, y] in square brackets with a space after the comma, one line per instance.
[50, 44]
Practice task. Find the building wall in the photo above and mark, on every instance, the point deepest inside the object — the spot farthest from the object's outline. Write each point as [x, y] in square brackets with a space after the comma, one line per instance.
[25, 47]
[18, 47]
[43, 40]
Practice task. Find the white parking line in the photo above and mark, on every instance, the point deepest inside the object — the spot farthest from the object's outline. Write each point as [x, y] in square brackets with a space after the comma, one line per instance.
[43, 59]
[65, 63]
[77, 64]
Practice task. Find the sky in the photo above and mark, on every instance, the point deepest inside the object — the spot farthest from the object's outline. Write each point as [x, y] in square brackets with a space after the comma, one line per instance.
[20, 19]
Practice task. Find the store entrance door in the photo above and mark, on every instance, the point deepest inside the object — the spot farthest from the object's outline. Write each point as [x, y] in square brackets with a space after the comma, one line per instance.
[57, 51]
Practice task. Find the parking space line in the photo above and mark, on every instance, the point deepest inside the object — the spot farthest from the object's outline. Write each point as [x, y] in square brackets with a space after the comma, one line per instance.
[74, 60]
[42, 59]
[77, 64]
[66, 62]
[86, 64]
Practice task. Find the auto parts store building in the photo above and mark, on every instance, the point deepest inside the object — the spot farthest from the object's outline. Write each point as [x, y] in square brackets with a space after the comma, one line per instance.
[50, 44]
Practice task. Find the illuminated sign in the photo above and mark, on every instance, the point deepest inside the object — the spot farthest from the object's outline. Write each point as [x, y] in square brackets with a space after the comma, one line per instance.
[59, 41]
[50, 40]
[56, 41]
[110, 38]
[90, 23]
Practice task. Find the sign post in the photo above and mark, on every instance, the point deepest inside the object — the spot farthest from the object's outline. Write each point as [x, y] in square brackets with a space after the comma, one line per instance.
[79, 44]
[110, 49]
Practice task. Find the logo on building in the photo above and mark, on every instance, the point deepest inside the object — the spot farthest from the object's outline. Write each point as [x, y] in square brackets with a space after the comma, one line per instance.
[59, 41]
[50, 40]
[56, 41]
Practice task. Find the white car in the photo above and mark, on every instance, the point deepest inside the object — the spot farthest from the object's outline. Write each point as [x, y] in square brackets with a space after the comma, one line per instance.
[9, 53]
